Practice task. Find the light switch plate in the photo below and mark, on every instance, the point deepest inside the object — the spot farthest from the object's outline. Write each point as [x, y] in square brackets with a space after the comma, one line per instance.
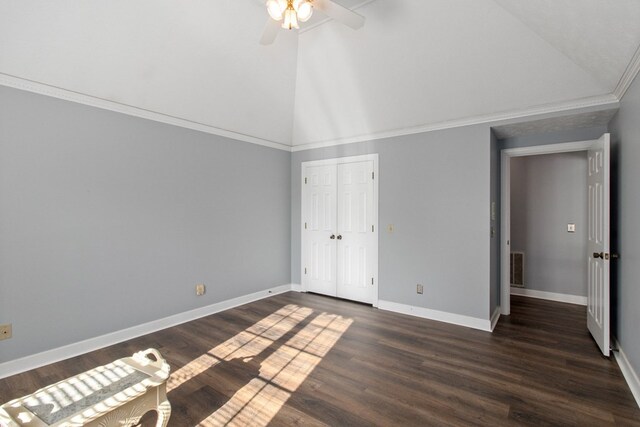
[571, 228]
[390, 228]
[419, 289]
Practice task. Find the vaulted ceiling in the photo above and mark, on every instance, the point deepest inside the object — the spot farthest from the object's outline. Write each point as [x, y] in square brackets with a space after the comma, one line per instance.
[415, 65]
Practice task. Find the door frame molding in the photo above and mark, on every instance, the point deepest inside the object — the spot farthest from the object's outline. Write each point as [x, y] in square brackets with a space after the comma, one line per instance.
[505, 205]
[337, 161]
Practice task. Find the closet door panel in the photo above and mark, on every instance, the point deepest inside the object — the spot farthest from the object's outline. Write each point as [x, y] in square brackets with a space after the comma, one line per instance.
[320, 212]
[355, 221]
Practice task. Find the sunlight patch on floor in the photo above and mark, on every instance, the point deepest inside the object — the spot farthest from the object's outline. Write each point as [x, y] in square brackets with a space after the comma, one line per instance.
[281, 374]
[248, 343]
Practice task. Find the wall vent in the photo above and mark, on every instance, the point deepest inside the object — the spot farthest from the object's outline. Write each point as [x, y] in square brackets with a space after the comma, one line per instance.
[517, 269]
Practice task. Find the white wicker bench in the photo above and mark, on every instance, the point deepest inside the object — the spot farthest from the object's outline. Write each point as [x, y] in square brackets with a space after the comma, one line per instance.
[117, 394]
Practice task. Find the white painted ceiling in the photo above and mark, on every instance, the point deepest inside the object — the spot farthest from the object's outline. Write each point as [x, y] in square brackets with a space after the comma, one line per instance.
[599, 36]
[197, 60]
[415, 65]
[555, 124]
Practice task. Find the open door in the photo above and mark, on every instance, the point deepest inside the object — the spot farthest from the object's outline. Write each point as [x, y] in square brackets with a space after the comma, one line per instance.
[599, 257]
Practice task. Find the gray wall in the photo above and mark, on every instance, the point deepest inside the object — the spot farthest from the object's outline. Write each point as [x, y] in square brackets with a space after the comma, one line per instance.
[495, 225]
[625, 128]
[434, 188]
[108, 221]
[547, 193]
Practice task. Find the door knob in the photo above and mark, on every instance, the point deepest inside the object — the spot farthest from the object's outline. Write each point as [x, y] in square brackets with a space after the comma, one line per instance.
[339, 236]
[333, 236]
[598, 255]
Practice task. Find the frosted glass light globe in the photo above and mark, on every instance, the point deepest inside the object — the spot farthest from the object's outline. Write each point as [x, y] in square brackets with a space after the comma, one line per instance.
[276, 8]
[304, 9]
[290, 19]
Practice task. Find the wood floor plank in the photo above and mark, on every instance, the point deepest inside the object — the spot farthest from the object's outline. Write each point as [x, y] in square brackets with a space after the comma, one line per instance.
[304, 359]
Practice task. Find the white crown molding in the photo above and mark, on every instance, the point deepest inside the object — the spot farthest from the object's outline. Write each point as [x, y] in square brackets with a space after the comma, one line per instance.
[628, 76]
[440, 316]
[493, 119]
[550, 296]
[629, 374]
[34, 361]
[68, 95]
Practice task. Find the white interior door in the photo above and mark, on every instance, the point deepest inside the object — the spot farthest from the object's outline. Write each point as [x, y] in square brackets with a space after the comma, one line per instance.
[320, 229]
[355, 239]
[598, 246]
[339, 227]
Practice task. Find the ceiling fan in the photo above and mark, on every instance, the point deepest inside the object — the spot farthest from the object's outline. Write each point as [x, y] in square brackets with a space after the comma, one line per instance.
[288, 13]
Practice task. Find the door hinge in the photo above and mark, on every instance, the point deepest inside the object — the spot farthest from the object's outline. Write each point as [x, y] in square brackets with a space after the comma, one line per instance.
[372, 229]
[373, 175]
[305, 270]
[305, 225]
[305, 180]
[372, 280]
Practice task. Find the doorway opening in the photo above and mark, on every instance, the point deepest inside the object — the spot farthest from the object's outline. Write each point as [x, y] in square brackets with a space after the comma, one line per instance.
[549, 198]
[595, 257]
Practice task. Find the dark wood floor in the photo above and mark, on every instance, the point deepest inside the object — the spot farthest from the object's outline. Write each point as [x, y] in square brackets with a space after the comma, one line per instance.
[311, 360]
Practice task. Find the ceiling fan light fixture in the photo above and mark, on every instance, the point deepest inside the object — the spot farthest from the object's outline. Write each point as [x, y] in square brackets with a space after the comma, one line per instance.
[276, 9]
[304, 9]
[290, 18]
[289, 13]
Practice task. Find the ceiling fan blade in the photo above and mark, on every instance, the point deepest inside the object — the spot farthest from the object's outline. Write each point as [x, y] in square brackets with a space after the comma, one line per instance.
[270, 32]
[339, 13]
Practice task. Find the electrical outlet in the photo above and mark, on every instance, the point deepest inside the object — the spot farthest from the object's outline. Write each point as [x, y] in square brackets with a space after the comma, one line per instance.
[419, 289]
[200, 289]
[5, 331]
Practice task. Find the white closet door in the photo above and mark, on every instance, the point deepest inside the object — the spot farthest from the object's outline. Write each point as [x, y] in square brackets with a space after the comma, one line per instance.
[355, 239]
[320, 213]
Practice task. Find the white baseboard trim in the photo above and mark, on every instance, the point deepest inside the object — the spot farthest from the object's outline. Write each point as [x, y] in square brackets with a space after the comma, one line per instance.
[296, 287]
[34, 361]
[440, 316]
[551, 296]
[495, 317]
[630, 375]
